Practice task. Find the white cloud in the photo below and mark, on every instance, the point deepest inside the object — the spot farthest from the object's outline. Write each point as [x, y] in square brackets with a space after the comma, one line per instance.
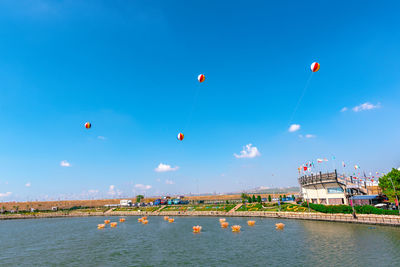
[294, 127]
[5, 194]
[65, 163]
[165, 168]
[112, 191]
[310, 136]
[169, 182]
[366, 106]
[248, 152]
[101, 137]
[28, 184]
[93, 191]
[263, 187]
[343, 109]
[142, 186]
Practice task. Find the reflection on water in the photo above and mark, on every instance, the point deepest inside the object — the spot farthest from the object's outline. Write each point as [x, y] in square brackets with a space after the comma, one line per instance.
[78, 242]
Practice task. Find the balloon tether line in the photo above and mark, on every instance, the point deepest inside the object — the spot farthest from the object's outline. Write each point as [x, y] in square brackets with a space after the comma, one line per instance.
[301, 97]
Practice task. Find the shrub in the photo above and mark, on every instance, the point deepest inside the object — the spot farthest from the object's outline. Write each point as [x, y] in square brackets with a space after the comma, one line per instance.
[331, 208]
[366, 209]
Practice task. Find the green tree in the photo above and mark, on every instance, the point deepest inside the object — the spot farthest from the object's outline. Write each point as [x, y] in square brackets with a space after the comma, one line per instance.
[227, 202]
[253, 199]
[269, 198]
[284, 196]
[249, 199]
[280, 197]
[243, 197]
[259, 199]
[293, 197]
[387, 182]
[139, 198]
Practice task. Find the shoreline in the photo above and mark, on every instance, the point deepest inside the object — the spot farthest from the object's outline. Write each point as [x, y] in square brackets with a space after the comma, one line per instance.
[372, 219]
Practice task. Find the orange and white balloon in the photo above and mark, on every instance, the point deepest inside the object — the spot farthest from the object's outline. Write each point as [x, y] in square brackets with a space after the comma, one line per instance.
[180, 136]
[315, 66]
[88, 125]
[201, 78]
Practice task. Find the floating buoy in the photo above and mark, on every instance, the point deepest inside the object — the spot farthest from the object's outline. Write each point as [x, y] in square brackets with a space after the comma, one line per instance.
[113, 224]
[222, 220]
[101, 226]
[166, 218]
[236, 228]
[251, 223]
[224, 224]
[197, 229]
[121, 219]
[280, 226]
[180, 136]
[171, 220]
[140, 220]
[201, 78]
[144, 217]
[106, 221]
[88, 125]
[145, 222]
[315, 66]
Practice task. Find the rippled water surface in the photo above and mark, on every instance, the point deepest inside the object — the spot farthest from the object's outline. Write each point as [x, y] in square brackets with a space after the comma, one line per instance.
[78, 242]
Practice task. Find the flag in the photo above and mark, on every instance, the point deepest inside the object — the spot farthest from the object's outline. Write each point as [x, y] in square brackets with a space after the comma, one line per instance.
[325, 159]
[305, 168]
[397, 202]
[356, 167]
[344, 165]
[320, 160]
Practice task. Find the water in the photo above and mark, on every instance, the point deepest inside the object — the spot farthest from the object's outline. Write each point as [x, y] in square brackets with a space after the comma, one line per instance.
[78, 242]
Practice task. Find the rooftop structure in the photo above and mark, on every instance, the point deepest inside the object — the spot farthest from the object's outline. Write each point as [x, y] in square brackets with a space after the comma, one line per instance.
[332, 189]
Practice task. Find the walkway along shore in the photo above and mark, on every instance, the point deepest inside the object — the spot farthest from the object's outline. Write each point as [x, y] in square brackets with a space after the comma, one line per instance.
[390, 220]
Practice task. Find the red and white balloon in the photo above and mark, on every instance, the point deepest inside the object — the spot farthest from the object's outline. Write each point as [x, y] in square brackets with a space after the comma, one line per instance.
[180, 136]
[201, 78]
[315, 66]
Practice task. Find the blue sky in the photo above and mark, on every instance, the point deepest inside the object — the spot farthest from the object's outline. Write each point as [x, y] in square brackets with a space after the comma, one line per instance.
[130, 68]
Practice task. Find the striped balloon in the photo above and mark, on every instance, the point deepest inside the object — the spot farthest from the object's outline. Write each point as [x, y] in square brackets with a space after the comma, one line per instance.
[88, 125]
[180, 136]
[315, 67]
[201, 78]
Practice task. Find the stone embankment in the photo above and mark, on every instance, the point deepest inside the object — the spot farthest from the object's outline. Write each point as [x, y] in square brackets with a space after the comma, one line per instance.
[392, 220]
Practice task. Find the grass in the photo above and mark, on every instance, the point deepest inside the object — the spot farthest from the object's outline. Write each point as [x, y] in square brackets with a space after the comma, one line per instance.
[213, 207]
[176, 208]
[149, 209]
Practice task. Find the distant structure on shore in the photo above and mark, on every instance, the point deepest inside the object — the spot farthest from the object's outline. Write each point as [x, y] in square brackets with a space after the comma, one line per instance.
[334, 189]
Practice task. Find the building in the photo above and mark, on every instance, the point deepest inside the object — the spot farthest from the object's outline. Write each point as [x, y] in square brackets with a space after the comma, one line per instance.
[125, 203]
[323, 189]
[367, 200]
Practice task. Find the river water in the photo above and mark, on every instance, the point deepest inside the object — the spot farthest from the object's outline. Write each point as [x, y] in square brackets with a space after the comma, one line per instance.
[78, 242]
